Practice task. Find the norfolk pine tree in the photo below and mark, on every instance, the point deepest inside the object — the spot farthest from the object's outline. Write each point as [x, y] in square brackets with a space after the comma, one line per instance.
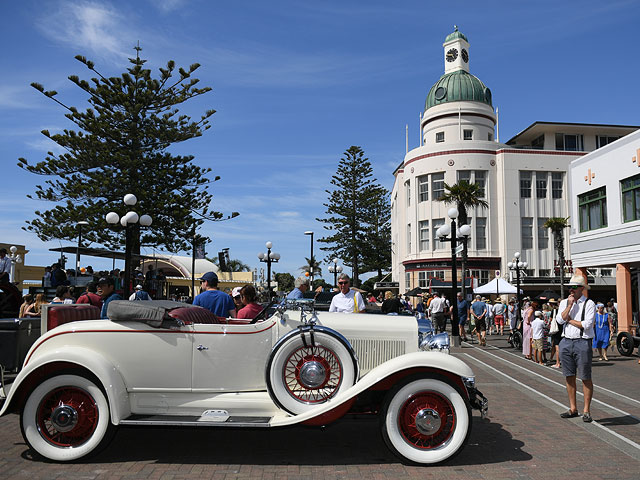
[350, 206]
[121, 147]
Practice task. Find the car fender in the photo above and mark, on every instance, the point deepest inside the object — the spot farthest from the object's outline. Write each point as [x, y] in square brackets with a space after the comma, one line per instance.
[71, 357]
[432, 362]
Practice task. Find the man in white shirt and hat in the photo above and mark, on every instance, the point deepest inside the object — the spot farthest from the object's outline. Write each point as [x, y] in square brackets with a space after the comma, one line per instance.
[347, 300]
[576, 315]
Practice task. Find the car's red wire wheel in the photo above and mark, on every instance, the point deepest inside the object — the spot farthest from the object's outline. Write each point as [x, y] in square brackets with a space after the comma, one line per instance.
[312, 374]
[67, 416]
[427, 420]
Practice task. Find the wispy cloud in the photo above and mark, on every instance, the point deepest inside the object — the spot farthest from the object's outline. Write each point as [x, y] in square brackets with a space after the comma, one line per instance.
[167, 6]
[97, 27]
[16, 97]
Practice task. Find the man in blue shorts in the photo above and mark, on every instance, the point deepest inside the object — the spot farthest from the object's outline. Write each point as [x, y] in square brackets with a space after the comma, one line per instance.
[463, 313]
[213, 299]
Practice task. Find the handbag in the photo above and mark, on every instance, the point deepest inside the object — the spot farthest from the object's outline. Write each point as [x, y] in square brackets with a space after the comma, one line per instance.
[554, 327]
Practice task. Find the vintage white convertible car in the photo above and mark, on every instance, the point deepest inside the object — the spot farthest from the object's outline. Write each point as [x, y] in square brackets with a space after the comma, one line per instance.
[167, 363]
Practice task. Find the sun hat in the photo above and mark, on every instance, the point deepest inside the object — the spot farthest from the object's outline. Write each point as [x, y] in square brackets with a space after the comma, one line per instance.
[138, 287]
[578, 281]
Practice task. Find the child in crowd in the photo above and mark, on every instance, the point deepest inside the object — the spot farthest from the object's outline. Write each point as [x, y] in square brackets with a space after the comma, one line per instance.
[537, 335]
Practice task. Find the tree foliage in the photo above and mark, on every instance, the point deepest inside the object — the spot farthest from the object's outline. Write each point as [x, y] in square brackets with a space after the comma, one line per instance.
[286, 282]
[121, 147]
[557, 225]
[312, 265]
[464, 195]
[233, 265]
[357, 216]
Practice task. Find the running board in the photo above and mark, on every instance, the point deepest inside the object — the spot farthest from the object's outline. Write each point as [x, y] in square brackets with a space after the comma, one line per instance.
[194, 421]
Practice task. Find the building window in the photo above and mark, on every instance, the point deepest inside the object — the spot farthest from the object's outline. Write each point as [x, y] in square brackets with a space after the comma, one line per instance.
[407, 280]
[437, 186]
[543, 234]
[490, 136]
[464, 176]
[556, 184]
[436, 224]
[630, 188]
[423, 188]
[541, 184]
[538, 143]
[606, 272]
[424, 235]
[545, 272]
[407, 186]
[481, 181]
[592, 208]
[439, 137]
[526, 232]
[481, 275]
[525, 184]
[569, 143]
[438, 274]
[409, 238]
[481, 233]
[422, 279]
[529, 272]
[602, 140]
[468, 134]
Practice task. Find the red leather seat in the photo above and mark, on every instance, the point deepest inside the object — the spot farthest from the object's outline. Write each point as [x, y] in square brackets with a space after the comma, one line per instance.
[61, 314]
[191, 315]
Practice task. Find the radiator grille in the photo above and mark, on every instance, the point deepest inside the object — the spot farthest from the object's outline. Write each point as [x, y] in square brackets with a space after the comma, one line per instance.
[372, 353]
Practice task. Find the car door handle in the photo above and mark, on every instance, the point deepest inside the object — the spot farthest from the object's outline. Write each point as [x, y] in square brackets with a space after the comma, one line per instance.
[202, 347]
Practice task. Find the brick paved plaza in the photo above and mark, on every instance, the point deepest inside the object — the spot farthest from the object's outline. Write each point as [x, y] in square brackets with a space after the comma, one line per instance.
[523, 437]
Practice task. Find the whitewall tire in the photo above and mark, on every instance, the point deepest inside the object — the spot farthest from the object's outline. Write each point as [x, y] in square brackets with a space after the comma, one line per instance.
[425, 421]
[303, 373]
[65, 418]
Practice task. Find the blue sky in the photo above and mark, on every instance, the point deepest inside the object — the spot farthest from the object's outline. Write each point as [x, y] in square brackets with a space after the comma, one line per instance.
[297, 83]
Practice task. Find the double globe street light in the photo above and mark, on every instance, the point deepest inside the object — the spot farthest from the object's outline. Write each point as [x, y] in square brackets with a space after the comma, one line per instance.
[335, 269]
[128, 221]
[443, 233]
[269, 258]
[517, 266]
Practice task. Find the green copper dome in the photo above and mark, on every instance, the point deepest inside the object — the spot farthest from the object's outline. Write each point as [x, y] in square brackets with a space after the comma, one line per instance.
[454, 35]
[458, 86]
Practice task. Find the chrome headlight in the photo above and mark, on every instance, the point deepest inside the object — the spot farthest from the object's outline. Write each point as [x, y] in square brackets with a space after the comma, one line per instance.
[439, 342]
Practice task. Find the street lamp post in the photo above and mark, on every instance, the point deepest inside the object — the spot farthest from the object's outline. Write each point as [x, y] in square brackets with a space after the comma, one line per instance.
[15, 258]
[128, 220]
[465, 231]
[79, 224]
[443, 233]
[335, 269]
[269, 258]
[517, 266]
[309, 232]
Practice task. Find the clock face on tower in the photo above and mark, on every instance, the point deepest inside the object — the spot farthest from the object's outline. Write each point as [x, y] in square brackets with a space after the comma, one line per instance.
[465, 55]
[452, 54]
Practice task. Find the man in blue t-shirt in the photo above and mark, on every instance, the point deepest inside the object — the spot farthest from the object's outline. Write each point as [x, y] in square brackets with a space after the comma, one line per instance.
[106, 289]
[479, 314]
[220, 303]
[463, 313]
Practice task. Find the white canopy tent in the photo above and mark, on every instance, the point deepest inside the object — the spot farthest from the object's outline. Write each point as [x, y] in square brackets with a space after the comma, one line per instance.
[497, 286]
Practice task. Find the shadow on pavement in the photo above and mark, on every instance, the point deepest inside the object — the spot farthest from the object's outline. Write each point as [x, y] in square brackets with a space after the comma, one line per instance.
[350, 442]
[623, 420]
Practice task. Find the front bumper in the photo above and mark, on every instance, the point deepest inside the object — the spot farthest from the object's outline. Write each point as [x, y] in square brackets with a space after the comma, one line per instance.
[478, 401]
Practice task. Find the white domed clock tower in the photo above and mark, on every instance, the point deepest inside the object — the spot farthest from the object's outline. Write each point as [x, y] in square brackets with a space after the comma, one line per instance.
[456, 52]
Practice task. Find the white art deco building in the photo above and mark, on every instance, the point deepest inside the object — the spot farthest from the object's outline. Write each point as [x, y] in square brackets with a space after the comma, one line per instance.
[524, 182]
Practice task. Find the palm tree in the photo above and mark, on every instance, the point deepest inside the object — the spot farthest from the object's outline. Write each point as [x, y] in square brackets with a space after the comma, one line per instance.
[557, 226]
[233, 265]
[464, 195]
[312, 264]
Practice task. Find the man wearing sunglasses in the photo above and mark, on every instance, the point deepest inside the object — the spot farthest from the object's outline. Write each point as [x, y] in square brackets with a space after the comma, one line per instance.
[576, 315]
[347, 300]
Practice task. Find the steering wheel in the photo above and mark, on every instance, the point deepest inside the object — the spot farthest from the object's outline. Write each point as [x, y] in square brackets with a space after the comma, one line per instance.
[262, 312]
